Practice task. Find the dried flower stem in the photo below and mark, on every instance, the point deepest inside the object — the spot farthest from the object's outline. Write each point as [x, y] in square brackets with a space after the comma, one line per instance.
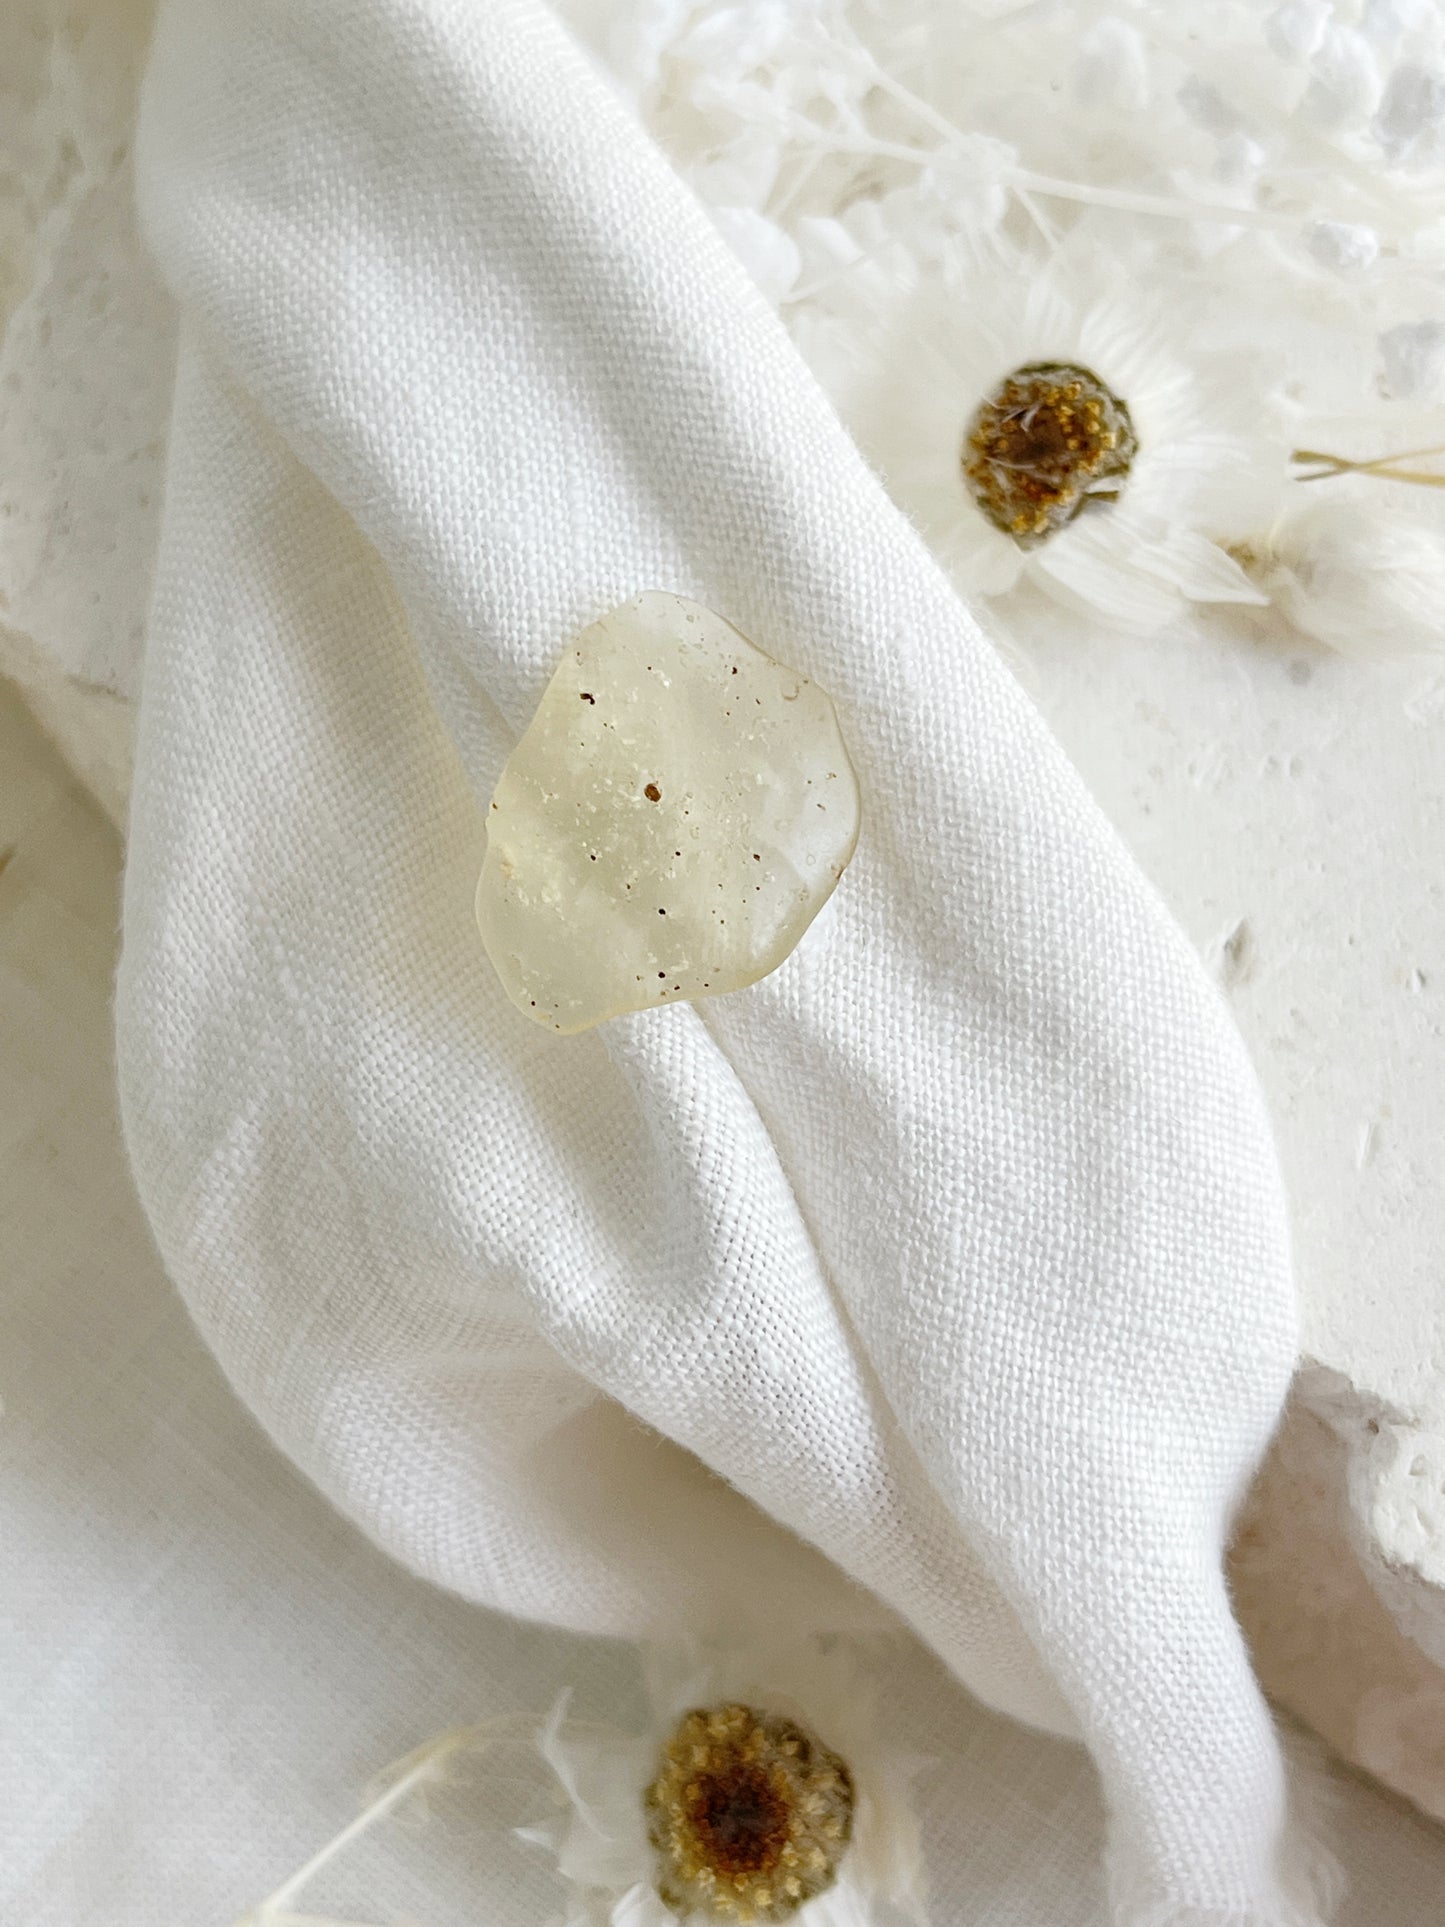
[1024, 180]
[1383, 467]
[1052, 186]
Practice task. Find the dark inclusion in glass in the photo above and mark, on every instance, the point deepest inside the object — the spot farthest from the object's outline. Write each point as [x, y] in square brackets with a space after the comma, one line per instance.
[1050, 441]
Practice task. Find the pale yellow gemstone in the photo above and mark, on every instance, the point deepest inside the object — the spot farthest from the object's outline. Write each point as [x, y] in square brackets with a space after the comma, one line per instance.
[677, 812]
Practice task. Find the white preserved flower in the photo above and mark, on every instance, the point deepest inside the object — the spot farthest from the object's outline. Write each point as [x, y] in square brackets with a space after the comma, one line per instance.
[739, 37]
[1260, 168]
[761, 1794]
[1354, 570]
[1036, 431]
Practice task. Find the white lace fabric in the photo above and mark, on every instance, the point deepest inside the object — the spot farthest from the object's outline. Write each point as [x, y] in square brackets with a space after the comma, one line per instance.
[957, 1246]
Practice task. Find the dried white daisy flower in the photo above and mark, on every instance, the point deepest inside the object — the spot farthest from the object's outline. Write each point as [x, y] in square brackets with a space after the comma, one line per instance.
[1355, 569]
[761, 1794]
[1037, 430]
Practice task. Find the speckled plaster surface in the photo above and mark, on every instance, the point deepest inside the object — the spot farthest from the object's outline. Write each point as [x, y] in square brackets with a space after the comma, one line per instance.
[1290, 807]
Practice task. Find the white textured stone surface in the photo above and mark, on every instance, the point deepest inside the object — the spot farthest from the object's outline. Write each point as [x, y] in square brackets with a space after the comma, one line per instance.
[87, 339]
[1325, 1644]
[1290, 806]
[91, 727]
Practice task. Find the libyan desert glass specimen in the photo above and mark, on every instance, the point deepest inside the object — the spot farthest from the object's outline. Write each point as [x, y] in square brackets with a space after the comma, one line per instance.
[677, 812]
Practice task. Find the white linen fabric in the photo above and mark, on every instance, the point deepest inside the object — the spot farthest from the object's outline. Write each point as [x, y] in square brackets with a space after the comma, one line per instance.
[957, 1245]
[204, 1664]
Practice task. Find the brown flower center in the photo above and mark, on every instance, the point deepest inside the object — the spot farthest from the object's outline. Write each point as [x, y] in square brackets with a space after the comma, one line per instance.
[742, 1817]
[749, 1816]
[1048, 442]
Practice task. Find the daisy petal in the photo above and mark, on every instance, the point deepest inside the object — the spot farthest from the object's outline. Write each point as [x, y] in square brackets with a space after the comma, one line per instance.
[985, 562]
[1199, 569]
[640, 1907]
[1085, 569]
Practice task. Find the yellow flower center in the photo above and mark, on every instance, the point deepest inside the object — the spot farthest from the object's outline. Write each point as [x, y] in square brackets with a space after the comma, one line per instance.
[749, 1816]
[1049, 441]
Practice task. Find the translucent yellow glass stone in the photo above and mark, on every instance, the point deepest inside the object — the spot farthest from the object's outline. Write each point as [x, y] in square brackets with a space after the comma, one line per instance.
[677, 812]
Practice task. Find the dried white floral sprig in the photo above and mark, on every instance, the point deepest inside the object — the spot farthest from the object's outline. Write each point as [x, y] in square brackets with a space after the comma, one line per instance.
[1257, 192]
[1363, 580]
[760, 1794]
[763, 1793]
[401, 1782]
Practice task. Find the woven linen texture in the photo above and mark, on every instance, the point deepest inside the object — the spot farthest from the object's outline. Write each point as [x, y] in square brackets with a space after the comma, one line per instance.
[956, 1246]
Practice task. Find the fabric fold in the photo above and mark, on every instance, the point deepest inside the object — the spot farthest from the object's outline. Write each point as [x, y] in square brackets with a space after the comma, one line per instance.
[957, 1246]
